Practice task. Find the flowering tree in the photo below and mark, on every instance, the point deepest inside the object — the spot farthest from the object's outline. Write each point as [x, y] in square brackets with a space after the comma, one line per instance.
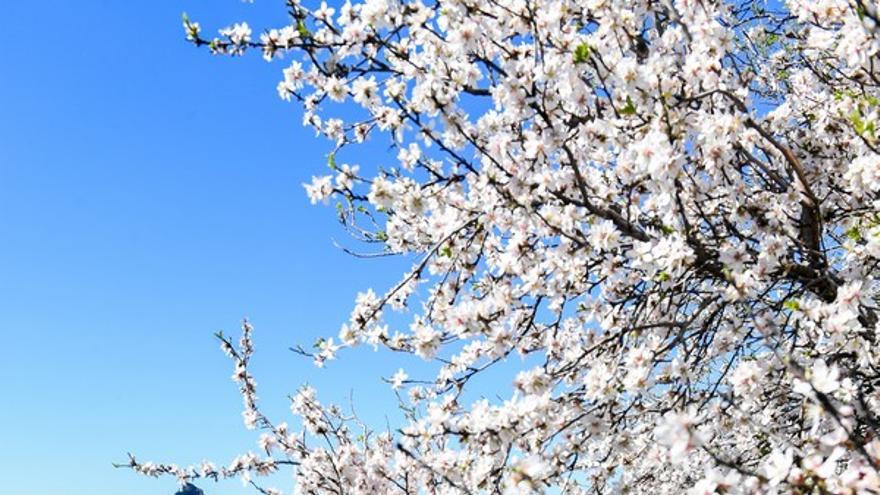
[671, 206]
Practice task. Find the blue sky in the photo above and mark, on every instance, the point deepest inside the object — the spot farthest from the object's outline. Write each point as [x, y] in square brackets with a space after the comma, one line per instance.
[149, 196]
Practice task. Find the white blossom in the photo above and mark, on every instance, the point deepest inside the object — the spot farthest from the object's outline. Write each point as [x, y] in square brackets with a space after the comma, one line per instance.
[642, 238]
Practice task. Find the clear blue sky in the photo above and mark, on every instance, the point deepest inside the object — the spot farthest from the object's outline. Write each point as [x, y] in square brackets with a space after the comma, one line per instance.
[149, 196]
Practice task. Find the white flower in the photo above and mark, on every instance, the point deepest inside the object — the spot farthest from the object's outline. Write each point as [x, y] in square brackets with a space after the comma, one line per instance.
[347, 174]
[746, 378]
[382, 193]
[678, 433]
[777, 465]
[365, 91]
[293, 75]
[192, 29]
[398, 379]
[825, 379]
[238, 34]
[427, 340]
[267, 442]
[374, 12]
[822, 379]
[598, 381]
[319, 189]
[528, 473]
[325, 13]
[336, 89]
[604, 235]
[534, 381]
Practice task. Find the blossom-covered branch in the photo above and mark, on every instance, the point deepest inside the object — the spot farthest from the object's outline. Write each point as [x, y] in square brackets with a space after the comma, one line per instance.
[670, 207]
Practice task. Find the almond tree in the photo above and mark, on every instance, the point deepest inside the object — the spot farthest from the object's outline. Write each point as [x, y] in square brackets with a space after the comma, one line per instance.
[670, 205]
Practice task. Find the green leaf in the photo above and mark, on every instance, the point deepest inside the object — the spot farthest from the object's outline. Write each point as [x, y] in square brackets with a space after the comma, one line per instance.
[663, 277]
[302, 29]
[581, 53]
[792, 304]
[854, 234]
[855, 118]
[331, 161]
[629, 109]
[319, 343]
[446, 251]
[860, 125]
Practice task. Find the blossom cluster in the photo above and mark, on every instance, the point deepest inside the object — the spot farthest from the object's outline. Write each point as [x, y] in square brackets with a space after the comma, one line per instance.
[669, 209]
